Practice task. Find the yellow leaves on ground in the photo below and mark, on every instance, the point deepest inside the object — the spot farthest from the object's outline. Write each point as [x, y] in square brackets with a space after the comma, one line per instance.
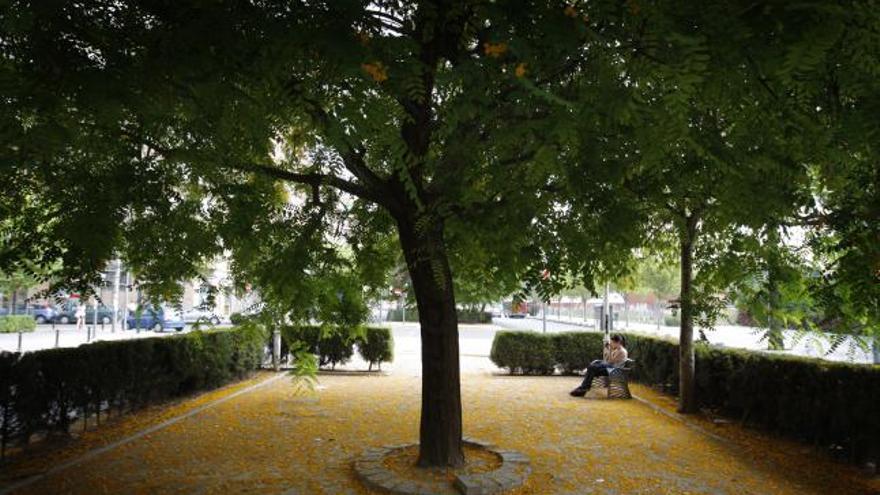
[272, 440]
[376, 70]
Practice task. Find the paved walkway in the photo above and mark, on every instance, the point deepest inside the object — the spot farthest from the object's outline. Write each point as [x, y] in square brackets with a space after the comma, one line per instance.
[276, 439]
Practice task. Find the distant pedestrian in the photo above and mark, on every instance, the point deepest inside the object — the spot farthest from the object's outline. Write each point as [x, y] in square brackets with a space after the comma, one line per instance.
[80, 316]
[614, 356]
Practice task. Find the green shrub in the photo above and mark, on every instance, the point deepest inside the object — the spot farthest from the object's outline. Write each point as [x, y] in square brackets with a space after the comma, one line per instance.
[376, 346]
[465, 316]
[45, 391]
[822, 402]
[672, 321]
[17, 323]
[332, 344]
[573, 351]
[523, 352]
[336, 344]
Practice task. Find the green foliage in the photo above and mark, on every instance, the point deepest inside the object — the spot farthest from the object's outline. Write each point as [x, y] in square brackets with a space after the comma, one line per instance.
[333, 344]
[305, 370]
[17, 323]
[818, 401]
[524, 352]
[44, 391]
[656, 274]
[672, 321]
[237, 318]
[574, 351]
[376, 346]
[336, 344]
[474, 316]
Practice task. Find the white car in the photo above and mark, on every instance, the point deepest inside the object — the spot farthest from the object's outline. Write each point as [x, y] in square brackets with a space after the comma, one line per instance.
[196, 315]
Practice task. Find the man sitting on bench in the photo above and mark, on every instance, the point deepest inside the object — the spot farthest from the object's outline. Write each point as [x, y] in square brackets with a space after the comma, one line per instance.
[614, 356]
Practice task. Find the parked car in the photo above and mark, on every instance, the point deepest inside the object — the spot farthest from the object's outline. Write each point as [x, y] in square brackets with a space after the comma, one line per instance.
[42, 313]
[156, 319]
[196, 315]
[66, 313]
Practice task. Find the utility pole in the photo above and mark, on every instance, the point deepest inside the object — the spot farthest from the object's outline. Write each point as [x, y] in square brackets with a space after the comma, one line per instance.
[543, 316]
[116, 295]
[125, 301]
[584, 300]
[606, 320]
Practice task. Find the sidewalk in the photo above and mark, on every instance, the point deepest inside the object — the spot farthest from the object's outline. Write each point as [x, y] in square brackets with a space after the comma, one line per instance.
[276, 440]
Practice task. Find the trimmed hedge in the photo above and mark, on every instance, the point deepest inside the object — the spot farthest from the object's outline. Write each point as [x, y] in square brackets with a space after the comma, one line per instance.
[524, 352]
[376, 346]
[823, 402]
[573, 351]
[465, 316]
[46, 391]
[334, 344]
[17, 323]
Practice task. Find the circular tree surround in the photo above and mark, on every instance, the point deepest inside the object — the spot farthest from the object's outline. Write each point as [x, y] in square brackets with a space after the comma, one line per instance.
[512, 472]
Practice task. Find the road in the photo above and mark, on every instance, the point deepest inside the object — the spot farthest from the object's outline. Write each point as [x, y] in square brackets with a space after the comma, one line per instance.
[44, 337]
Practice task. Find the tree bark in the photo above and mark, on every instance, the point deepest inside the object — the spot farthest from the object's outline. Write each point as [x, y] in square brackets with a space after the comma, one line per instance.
[440, 430]
[687, 401]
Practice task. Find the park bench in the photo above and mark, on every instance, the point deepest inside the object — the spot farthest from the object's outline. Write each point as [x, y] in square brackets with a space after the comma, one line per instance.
[617, 381]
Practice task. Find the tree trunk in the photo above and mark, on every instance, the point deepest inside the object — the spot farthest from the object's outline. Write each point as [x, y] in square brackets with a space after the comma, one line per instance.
[440, 432]
[687, 401]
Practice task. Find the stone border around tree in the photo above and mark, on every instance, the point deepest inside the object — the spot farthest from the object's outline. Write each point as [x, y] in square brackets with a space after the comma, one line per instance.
[513, 472]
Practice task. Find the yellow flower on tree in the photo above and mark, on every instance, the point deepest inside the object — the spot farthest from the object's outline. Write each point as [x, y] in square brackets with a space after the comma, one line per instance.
[495, 49]
[570, 11]
[376, 70]
[520, 69]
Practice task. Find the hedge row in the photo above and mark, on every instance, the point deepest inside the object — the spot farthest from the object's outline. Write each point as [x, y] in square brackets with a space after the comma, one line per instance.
[47, 391]
[17, 323]
[545, 353]
[823, 402]
[335, 344]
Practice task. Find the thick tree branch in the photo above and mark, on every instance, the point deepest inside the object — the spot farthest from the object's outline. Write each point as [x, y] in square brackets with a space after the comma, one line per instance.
[313, 179]
[352, 154]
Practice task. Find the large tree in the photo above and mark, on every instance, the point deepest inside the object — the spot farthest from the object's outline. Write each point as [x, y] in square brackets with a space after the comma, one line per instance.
[172, 131]
[708, 156]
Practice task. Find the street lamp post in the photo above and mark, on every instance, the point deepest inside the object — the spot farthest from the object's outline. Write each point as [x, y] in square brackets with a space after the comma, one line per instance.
[606, 320]
[116, 295]
[543, 316]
